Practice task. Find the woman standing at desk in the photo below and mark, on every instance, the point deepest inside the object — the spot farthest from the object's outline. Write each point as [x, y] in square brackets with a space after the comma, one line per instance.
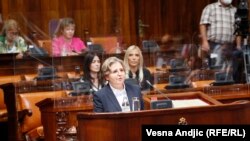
[133, 61]
[65, 44]
[116, 95]
[10, 40]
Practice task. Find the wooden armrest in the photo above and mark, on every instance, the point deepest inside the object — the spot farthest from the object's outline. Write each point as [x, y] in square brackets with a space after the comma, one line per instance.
[3, 115]
[23, 113]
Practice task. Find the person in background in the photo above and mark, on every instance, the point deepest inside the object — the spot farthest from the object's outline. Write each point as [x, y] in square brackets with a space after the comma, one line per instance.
[217, 27]
[92, 71]
[194, 64]
[117, 94]
[10, 39]
[65, 44]
[133, 61]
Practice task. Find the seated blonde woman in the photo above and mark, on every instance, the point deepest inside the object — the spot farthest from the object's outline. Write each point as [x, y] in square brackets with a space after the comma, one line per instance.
[10, 39]
[65, 44]
[133, 61]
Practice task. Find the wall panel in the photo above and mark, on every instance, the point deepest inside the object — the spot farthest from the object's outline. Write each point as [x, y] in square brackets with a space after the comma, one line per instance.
[111, 17]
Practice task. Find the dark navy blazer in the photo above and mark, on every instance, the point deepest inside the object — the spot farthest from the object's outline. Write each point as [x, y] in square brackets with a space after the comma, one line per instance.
[105, 100]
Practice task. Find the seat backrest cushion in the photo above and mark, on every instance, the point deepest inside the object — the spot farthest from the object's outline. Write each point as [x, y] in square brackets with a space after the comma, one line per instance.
[109, 44]
[3, 109]
[2, 104]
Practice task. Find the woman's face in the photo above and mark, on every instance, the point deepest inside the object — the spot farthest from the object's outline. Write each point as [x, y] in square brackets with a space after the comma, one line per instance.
[68, 31]
[134, 58]
[11, 34]
[116, 75]
[191, 62]
[95, 64]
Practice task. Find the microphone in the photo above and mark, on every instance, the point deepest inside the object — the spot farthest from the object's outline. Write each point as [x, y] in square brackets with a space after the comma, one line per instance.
[149, 83]
[160, 104]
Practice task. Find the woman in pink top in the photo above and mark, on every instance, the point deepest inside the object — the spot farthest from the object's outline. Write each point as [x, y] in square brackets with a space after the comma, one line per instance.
[65, 44]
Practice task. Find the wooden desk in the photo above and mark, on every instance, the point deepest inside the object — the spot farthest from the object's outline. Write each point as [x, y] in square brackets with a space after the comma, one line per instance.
[228, 93]
[154, 69]
[13, 66]
[9, 79]
[202, 84]
[127, 126]
[42, 85]
[29, 65]
[195, 85]
[225, 94]
[180, 96]
[59, 115]
[162, 89]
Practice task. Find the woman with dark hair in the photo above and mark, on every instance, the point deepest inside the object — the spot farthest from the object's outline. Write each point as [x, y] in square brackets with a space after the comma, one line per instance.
[91, 71]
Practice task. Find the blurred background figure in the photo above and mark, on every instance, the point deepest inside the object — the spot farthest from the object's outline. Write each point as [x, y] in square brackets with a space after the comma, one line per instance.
[10, 39]
[134, 67]
[194, 64]
[116, 95]
[166, 41]
[217, 29]
[65, 44]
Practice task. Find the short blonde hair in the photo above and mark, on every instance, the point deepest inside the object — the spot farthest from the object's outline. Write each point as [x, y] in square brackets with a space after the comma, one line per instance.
[64, 22]
[10, 24]
[107, 64]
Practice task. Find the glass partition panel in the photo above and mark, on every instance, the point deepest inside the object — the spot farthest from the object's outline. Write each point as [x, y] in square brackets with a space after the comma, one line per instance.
[160, 48]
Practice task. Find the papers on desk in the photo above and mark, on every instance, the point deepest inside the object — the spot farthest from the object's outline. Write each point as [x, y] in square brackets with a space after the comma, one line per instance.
[188, 103]
[202, 84]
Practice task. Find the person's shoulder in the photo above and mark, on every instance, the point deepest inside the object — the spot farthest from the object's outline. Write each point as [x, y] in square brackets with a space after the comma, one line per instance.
[76, 39]
[57, 39]
[146, 70]
[212, 5]
[20, 38]
[2, 38]
[233, 7]
[132, 86]
[103, 90]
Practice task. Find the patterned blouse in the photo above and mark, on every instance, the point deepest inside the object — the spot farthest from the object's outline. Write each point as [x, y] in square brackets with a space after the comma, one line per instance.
[18, 46]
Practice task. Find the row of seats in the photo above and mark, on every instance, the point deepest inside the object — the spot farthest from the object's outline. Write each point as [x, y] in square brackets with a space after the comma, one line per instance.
[30, 77]
[109, 44]
[22, 110]
[31, 127]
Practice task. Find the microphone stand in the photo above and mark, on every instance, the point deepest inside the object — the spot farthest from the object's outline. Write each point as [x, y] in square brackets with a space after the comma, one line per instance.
[160, 104]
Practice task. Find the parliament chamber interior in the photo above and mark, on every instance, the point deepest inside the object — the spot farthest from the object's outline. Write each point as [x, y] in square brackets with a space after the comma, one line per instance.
[42, 98]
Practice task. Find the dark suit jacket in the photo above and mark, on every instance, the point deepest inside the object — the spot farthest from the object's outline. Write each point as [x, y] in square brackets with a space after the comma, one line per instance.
[105, 100]
[146, 76]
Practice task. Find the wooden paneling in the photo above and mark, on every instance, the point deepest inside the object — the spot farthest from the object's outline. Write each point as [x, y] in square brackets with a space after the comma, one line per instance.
[127, 126]
[111, 17]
